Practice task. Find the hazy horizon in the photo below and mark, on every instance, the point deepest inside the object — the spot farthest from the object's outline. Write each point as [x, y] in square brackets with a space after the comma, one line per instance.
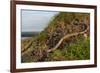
[36, 21]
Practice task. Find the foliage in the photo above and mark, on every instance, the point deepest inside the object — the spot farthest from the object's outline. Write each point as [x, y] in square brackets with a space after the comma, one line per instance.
[78, 48]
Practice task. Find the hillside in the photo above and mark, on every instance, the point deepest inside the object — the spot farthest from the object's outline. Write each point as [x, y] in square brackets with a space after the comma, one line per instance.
[73, 48]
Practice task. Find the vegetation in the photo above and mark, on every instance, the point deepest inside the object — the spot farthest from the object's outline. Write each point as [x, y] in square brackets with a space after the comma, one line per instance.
[74, 48]
[79, 50]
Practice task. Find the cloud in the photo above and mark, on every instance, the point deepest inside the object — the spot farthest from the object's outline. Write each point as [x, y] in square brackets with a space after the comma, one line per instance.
[36, 20]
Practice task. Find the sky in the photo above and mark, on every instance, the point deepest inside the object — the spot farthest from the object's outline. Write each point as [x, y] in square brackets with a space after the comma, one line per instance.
[36, 21]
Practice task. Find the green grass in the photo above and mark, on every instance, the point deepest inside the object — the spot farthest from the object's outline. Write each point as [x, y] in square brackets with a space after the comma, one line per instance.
[77, 50]
[80, 50]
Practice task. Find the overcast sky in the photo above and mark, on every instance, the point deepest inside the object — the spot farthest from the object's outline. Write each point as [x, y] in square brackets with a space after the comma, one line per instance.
[36, 20]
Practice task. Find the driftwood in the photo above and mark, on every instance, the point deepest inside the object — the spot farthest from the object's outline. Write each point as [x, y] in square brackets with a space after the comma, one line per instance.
[66, 37]
[25, 51]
